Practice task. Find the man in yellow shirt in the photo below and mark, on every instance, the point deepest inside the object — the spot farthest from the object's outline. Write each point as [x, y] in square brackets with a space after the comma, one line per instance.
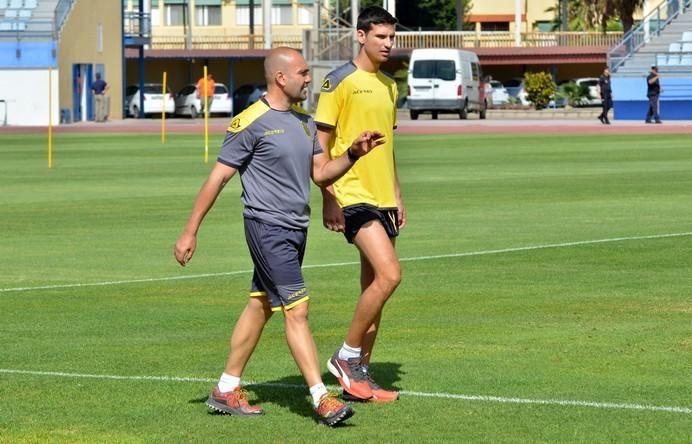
[365, 204]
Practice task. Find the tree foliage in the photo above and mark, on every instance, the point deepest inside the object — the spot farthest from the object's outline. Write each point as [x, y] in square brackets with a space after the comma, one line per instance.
[591, 15]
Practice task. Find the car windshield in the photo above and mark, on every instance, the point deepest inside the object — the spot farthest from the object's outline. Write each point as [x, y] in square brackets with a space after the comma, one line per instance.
[189, 89]
[220, 89]
[496, 84]
[590, 82]
[513, 83]
[153, 89]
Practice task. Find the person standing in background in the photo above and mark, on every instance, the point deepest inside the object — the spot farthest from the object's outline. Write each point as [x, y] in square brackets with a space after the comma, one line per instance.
[99, 88]
[208, 92]
[653, 91]
[606, 95]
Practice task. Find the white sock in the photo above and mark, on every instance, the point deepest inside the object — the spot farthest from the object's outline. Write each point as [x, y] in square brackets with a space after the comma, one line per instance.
[348, 352]
[317, 391]
[228, 383]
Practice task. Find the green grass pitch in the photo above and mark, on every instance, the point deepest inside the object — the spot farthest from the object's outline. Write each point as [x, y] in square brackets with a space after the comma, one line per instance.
[546, 295]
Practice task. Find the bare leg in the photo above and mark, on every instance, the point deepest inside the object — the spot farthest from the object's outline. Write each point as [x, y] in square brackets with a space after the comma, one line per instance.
[301, 344]
[380, 274]
[246, 334]
[367, 275]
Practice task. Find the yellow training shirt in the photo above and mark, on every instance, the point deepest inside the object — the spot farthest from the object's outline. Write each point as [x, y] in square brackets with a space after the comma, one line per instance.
[352, 101]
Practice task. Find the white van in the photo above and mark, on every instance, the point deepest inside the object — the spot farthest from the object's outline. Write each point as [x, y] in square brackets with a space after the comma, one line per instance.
[445, 81]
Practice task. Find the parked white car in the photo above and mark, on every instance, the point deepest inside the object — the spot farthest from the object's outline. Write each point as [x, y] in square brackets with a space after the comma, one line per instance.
[154, 100]
[499, 93]
[592, 83]
[515, 88]
[188, 104]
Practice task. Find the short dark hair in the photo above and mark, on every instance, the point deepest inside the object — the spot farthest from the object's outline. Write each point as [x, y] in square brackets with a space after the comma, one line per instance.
[374, 15]
[98, 75]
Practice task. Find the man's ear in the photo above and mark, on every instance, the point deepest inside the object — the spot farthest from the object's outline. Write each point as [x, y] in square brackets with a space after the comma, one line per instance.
[361, 36]
[280, 78]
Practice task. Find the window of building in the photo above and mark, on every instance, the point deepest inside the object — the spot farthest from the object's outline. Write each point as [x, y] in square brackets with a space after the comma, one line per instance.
[282, 15]
[305, 14]
[495, 26]
[242, 14]
[174, 15]
[208, 15]
[282, 12]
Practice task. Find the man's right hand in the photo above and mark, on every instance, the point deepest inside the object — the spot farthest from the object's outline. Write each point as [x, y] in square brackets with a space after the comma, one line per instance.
[185, 248]
[332, 215]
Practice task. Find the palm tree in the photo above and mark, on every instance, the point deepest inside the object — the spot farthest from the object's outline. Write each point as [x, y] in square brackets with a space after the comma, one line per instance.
[626, 10]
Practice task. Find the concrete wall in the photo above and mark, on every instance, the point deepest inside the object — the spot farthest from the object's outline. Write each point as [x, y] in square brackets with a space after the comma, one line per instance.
[79, 44]
[25, 92]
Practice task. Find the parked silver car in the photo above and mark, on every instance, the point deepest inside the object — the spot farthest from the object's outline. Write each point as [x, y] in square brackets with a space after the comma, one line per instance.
[188, 104]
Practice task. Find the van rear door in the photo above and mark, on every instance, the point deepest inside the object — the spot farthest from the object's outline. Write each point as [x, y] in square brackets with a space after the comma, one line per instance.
[447, 85]
[433, 83]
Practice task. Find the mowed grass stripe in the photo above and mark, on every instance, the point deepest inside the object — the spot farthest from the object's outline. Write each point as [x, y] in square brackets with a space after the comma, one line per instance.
[341, 264]
[484, 398]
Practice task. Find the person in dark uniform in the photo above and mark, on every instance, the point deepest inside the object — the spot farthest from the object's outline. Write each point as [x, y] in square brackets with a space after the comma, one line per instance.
[101, 102]
[606, 95]
[653, 91]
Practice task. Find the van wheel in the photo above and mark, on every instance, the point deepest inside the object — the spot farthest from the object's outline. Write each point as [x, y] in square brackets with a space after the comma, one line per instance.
[463, 115]
[135, 112]
[414, 115]
[481, 114]
[434, 115]
[193, 112]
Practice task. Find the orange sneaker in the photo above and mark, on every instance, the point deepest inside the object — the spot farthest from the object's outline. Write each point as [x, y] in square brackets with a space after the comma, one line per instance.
[378, 393]
[351, 375]
[331, 411]
[233, 403]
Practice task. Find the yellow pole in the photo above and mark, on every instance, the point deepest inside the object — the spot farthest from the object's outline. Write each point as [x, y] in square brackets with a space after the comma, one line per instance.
[206, 119]
[50, 117]
[163, 111]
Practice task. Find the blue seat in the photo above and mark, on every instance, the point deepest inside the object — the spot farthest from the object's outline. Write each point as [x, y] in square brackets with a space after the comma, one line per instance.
[661, 59]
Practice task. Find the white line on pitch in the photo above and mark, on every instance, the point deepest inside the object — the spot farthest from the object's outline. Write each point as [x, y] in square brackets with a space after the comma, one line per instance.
[483, 398]
[340, 264]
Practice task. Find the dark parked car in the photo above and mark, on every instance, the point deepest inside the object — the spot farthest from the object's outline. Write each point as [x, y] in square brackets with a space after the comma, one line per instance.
[246, 95]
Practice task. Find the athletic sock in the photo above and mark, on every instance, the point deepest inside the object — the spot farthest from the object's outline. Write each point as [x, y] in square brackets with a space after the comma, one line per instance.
[348, 352]
[228, 383]
[317, 391]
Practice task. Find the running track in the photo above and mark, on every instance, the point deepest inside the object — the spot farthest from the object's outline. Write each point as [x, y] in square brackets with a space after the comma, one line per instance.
[445, 125]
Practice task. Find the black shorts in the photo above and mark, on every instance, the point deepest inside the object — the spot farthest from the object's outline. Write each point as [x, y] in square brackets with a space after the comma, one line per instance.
[277, 253]
[355, 216]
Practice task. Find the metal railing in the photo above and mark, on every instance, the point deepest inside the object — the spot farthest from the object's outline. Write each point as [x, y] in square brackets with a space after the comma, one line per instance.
[651, 25]
[136, 24]
[492, 39]
[62, 11]
[240, 41]
[335, 42]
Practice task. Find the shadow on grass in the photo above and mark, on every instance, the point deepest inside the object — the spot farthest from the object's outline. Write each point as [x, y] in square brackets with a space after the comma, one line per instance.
[291, 392]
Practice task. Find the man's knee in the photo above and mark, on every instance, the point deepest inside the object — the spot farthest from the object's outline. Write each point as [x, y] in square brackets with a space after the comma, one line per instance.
[389, 278]
[297, 315]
